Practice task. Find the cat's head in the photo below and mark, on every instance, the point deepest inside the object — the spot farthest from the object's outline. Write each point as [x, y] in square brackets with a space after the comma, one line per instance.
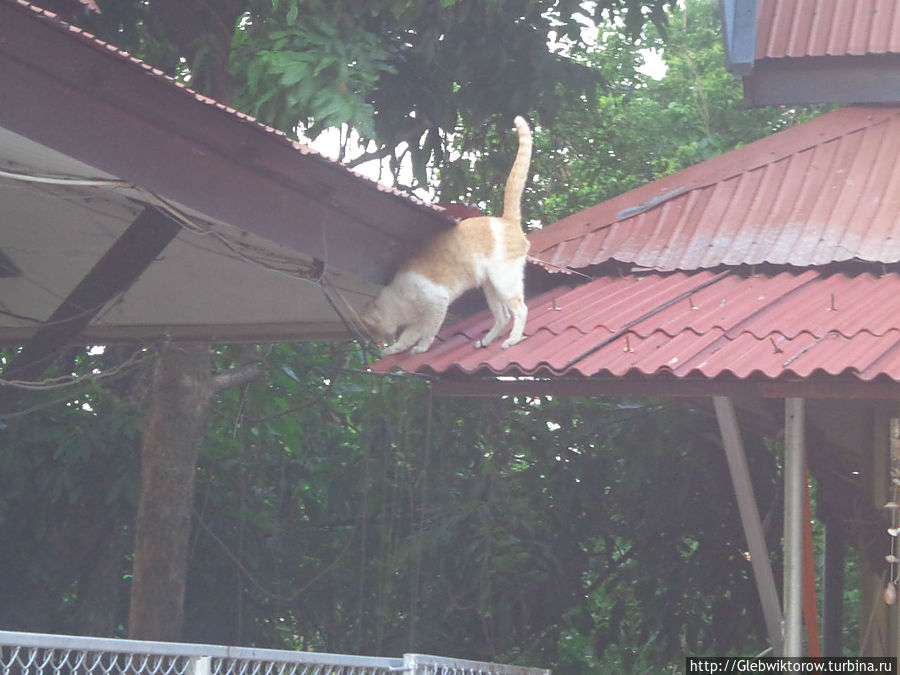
[379, 321]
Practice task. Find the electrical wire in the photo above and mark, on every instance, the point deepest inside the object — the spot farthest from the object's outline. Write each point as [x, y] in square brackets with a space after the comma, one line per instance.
[62, 179]
[302, 269]
[20, 317]
[64, 381]
[294, 266]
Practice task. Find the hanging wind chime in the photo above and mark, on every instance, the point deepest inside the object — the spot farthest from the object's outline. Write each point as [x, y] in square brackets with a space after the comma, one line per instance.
[890, 591]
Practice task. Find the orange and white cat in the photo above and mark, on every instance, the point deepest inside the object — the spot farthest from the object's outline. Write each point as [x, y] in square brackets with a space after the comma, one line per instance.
[485, 251]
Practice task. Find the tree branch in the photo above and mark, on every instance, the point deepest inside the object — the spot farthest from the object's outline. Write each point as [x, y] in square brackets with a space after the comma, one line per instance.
[409, 136]
[234, 377]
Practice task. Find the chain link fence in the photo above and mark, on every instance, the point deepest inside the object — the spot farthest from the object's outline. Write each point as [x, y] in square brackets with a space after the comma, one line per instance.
[38, 654]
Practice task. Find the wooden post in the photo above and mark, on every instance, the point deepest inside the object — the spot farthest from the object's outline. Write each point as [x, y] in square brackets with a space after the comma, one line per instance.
[810, 604]
[833, 592]
[874, 617]
[753, 530]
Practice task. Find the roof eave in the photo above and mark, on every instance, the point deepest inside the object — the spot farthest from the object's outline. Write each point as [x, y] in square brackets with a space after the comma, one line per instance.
[869, 79]
[71, 93]
[824, 387]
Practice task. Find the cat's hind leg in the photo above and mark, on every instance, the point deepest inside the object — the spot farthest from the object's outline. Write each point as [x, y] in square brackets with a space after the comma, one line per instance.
[498, 310]
[508, 281]
[519, 311]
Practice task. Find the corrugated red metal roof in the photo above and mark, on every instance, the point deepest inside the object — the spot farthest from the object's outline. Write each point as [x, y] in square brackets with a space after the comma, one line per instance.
[824, 191]
[690, 324]
[806, 28]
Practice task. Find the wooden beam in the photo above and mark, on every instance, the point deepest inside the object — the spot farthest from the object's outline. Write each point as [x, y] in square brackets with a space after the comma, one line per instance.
[874, 615]
[8, 268]
[115, 272]
[843, 388]
[749, 512]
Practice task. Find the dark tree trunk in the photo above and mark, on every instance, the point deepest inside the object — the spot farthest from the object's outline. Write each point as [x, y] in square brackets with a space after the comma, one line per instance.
[182, 386]
[173, 430]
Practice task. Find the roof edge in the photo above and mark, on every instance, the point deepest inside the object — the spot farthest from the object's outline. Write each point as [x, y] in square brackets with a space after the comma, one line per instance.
[67, 91]
[821, 387]
[55, 21]
[739, 21]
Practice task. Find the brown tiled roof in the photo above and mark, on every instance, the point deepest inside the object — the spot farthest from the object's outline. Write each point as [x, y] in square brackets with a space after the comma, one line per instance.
[799, 52]
[821, 192]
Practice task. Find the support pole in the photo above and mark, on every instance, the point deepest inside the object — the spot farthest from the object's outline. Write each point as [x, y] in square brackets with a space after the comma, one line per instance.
[833, 611]
[753, 530]
[793, 527]
[810, 603]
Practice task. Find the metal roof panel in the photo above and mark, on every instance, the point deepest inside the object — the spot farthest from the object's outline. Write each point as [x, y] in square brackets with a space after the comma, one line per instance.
[810, 28]
[712, 325]
[824, 191]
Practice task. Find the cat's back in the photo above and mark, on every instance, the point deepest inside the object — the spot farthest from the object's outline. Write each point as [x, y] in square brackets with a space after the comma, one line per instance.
[457, 257]
[491, 237]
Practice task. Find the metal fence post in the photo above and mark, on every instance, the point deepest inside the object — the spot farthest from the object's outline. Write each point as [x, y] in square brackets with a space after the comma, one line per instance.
[793, 526]
[199, 665]
[410, 664]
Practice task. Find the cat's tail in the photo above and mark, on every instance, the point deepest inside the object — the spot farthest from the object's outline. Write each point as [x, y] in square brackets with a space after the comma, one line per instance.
[518, 175]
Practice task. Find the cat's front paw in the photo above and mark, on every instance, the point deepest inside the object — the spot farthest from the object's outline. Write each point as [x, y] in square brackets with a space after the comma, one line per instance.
[420, 347]
[390, 350]
[510, 342]
[485, 341]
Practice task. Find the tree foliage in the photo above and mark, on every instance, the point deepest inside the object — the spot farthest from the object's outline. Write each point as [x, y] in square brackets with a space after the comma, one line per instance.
[68, 497]
[403, 73]
[336, 511]
[638, 128]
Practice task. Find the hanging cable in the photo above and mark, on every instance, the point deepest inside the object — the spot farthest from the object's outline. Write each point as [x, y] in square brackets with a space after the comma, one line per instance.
[66, 180]
[64, 381]
[299, 268]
